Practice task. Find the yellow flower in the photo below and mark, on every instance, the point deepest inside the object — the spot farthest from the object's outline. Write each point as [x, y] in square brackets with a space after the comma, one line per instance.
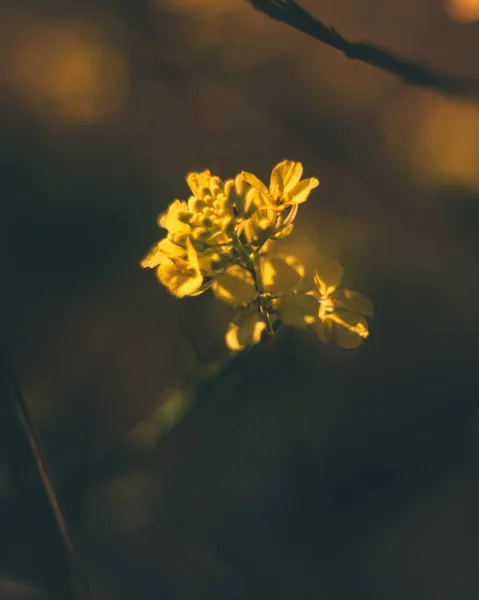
[181, 276]
[286, 187]
[161, 251]
[341, 311]
[246, 329]
[221, 238]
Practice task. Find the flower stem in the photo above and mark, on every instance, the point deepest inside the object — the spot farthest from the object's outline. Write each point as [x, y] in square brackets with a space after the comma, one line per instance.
[256, 272]
[81, 586]
[248, 263]
[269, 324]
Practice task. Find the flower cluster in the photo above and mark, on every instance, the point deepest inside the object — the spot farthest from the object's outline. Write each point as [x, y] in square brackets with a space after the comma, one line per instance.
[223, 238]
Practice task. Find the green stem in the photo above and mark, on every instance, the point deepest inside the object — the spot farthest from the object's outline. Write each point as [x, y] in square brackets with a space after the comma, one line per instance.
[248, 263]
[257, 277]
[269, 324]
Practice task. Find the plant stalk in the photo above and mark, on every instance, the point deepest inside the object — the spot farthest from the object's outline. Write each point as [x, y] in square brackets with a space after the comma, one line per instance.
[80, 584]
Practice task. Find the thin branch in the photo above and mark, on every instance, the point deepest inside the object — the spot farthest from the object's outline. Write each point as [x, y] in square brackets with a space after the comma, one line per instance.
[80, 583]
[289, 12]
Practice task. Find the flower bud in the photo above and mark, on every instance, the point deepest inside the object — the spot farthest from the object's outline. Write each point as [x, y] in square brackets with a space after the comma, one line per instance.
[184, 216]
[201, 234]
[196, 205]
[216, 186]
[179, 237]
[230, 191]
[249, 204]
[200, 246]
[203, 192]
[207, 222]
[227, 225]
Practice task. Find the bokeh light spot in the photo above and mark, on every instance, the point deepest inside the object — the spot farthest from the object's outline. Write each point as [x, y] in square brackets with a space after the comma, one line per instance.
[67, 72]
[447, 149]
[465, 11]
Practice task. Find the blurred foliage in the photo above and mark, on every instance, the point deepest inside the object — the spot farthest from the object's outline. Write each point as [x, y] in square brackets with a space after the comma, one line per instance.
[303, 471]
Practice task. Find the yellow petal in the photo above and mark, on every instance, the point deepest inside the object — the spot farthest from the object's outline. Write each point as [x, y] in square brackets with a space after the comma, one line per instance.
[249, 230]
[301, 191]
[163, 249]
[298, 311]
[282, 274]
[179, 277]
[192, 255]
[235, 286]
[245, 330]
[170, 221]
[254, 182]
[268, 246]
[355, 302]
[284, 177]
[211, 261]
[328, 276]
[349, 329]
[196, 181]
[216, 186]
[286, 222]
[284, 233]
[254, 195]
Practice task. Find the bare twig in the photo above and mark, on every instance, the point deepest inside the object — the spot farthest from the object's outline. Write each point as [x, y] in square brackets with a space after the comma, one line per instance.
[80, 584]
[289, 12]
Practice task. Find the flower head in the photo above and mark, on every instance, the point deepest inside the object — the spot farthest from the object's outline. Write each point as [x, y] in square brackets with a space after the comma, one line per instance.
[222, 237]
[286, 187]
[225, 224]
[198, 244]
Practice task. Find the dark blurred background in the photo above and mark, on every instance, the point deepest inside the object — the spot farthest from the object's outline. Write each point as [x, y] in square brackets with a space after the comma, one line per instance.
[306, 471]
